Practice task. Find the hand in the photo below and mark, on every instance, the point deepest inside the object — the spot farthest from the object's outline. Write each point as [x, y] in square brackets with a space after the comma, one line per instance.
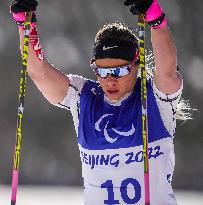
[138, 6]
[19, 8]
[153, 12]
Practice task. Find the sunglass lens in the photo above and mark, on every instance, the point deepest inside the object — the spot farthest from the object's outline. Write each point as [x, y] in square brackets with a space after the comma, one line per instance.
[102, 72]
[123, 71]
[115, 72]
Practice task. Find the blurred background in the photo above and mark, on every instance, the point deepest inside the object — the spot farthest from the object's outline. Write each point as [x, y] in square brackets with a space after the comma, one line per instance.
[67, 29]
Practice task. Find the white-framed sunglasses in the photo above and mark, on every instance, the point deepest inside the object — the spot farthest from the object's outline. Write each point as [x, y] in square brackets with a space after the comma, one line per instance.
[117, 72]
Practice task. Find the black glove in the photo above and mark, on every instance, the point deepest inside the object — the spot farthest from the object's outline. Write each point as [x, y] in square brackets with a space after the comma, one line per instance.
[19, 6]
[138, 6]
[22, 6]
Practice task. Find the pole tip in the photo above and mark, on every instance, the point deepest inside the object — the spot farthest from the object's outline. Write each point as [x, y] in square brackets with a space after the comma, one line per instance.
[13, 202]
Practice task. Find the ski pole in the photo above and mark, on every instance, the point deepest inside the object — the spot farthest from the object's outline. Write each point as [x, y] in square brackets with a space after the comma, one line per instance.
[141, 25]
[23, 73]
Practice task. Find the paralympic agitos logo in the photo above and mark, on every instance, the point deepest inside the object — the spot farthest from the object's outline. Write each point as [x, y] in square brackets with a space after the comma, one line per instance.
[112, 139]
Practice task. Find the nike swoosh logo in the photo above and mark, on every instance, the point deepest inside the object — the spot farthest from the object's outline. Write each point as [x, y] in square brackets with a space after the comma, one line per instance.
[109, 47]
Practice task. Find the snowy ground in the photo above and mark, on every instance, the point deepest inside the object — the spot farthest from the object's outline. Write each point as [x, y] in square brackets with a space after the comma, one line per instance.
[35, 195]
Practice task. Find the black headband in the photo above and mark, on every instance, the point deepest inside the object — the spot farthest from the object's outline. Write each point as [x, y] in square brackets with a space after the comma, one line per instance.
[119, 49]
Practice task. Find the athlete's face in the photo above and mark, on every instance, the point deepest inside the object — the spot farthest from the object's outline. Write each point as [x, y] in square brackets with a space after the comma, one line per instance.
[116, 88]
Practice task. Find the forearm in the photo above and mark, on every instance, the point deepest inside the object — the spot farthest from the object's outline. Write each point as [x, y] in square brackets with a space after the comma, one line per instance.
[36, 68]
[165, 54]
[50, 81]
[166, 77]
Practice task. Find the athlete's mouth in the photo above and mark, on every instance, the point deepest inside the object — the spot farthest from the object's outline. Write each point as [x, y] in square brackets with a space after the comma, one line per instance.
[112, 91]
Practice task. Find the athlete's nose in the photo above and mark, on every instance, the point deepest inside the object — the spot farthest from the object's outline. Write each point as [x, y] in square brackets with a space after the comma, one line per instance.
[111, 80]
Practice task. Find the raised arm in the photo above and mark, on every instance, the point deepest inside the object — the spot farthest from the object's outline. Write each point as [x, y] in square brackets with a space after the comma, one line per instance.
[50, 81]
[166, 77]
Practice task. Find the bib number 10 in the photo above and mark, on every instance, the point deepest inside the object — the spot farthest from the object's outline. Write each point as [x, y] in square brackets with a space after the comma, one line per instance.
[123, 191]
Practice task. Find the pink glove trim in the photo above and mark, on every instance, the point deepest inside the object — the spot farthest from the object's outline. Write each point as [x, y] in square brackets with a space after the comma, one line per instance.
[20, 17]
[154, 12]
